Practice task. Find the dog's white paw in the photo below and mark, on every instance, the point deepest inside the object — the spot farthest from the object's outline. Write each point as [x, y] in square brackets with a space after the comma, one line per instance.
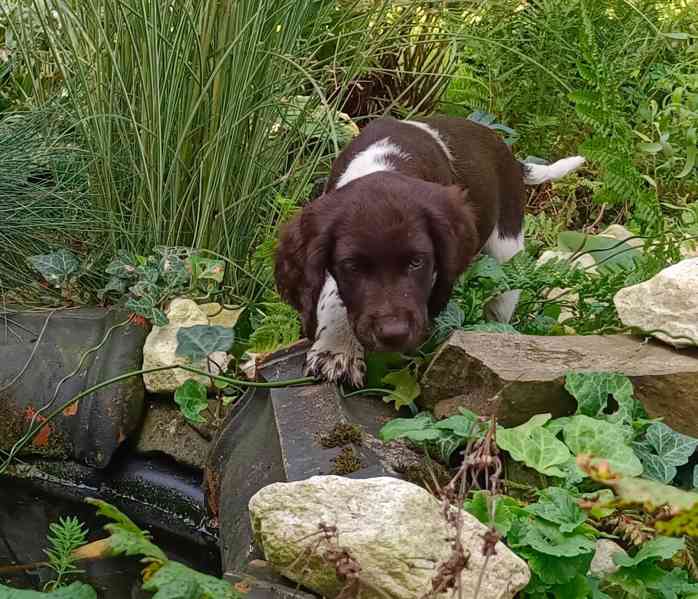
[336, 366]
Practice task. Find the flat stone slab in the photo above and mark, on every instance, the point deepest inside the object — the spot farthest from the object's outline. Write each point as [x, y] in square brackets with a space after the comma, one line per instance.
[166, 431]
[517, 376]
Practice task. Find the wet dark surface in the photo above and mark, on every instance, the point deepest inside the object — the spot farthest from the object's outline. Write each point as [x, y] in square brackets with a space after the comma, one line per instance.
[161, 497]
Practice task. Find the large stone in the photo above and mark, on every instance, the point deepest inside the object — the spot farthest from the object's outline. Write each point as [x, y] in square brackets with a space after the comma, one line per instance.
[166, 431]
[395, 530]
[161, 349]
[666, 306]
[517, 376]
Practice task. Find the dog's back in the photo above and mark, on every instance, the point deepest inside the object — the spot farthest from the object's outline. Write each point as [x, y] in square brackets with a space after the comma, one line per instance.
[447, 151]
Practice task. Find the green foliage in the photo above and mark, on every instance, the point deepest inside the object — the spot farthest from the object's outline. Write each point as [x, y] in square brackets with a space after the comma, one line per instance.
[274, 324]
[125, 537]
[146, 283]
[64, 537]
[57, 268]
[406, 388]
[199, 341]
[662, 450]
[177, 581]
[440, 438]
[592, 391]
[191, 397]
[76, 590]
[535, 446]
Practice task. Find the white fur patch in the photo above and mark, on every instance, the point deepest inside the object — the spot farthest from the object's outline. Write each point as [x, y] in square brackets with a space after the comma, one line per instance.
[336, 354]
[502, 307]
[535, 174]
[435, 134]
[503, 248]
[373, 159]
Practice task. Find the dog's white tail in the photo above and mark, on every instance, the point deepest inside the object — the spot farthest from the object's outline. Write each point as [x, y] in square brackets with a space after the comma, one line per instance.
[535, 174]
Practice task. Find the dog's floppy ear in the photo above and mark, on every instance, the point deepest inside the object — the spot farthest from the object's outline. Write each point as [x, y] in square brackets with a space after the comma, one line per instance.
[452, 227]
[301, 262]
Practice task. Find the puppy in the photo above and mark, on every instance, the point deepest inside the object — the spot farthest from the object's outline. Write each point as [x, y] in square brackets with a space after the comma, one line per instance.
[406, 208]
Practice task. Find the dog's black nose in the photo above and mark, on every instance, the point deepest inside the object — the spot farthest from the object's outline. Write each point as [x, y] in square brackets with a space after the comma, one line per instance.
[393, 333]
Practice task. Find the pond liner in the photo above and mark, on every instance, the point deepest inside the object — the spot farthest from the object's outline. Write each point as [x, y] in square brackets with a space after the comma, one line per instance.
[276, 435]
[39, 349]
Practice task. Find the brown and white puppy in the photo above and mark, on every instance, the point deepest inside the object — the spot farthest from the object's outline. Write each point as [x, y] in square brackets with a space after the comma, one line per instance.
[407, 207]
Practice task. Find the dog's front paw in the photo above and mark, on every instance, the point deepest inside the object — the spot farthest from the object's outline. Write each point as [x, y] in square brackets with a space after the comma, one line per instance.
[336, 367]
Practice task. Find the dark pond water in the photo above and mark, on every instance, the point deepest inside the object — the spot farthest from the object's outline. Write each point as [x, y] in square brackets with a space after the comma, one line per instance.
[159, 496]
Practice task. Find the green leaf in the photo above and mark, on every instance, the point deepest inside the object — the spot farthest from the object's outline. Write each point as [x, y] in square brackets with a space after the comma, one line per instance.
[378, 364]
[659, 548]
[560, 507]
[126, 538]
[77, 590]
[662, 450]
[466, 424]
[206, 272]
[535, 446]
[191, 397]
[173, 270]
[147, 308]
[592, 390]
[601, 439]
[406, 387]
[548, 539]
[198, 341]
[421, 427]
[123, 266]
[177, 581]
[504, 510]
[114, 285]
[555, 570]
[56, 267]
[603, 249]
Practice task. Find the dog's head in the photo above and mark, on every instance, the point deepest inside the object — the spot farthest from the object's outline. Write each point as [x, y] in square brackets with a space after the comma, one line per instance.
[395, 246]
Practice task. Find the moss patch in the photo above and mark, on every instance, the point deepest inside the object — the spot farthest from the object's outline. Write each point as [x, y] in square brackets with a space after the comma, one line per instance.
[342, 434]
[346, 462]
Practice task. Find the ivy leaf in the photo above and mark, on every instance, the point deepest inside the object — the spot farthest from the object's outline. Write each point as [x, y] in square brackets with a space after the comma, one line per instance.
[560, 507]
[695, 476]
[148, 309]
[56, 267]
[208, 271]
[466, 424]
[191, 398]
[659, 548]
[406, 387]
[419, 428]
[504, 510]
[174, 271]
[199, 341]
[662, 450]
[115, 285]
[535, 446]
[177, 581]
[592, 390]
[123, 266]
[126, 538]
[601, 439]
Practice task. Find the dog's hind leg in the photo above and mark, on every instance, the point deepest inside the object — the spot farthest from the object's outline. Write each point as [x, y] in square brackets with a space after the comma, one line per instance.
[502, 307]
[336, 354]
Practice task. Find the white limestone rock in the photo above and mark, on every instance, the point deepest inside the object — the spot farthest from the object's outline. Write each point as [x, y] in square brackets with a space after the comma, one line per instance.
[161, 346]
[668, 302]
[395, 530]
[602, 563]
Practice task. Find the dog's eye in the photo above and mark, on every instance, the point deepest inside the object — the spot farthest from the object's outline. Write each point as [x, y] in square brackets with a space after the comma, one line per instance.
[416, 263]
[350, 265]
